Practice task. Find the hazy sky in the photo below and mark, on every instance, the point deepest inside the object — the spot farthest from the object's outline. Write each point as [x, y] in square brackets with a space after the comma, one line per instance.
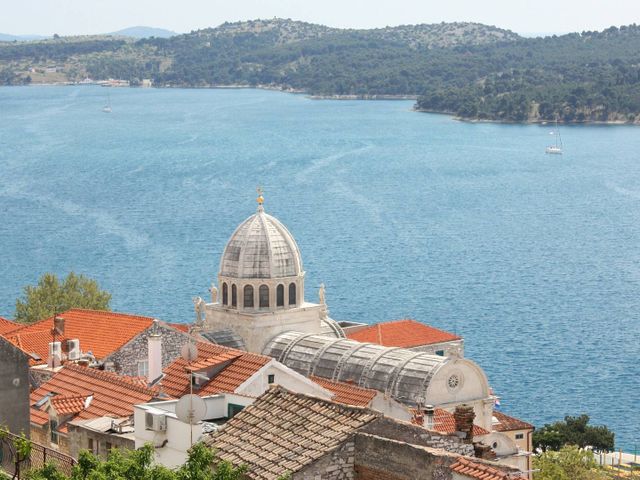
[67, 17]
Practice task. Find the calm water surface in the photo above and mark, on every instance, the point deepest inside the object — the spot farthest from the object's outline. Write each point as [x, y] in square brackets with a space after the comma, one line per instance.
[534, 259]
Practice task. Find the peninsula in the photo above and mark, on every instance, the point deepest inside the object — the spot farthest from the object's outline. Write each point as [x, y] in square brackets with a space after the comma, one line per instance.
[470, 70]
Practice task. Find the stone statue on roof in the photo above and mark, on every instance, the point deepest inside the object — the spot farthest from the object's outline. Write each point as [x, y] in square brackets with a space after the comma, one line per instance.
[214, 293]
[321, 295]
[199, 304]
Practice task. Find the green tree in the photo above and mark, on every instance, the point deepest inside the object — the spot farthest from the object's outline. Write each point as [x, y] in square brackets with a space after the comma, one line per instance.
[569, 463]
[51, 296]
[139, 465]
[573, 431]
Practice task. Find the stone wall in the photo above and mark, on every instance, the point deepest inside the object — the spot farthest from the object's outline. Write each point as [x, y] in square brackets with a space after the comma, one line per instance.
[102, 442]
[337, 465]
[41, 435]
[14, 389]
[38, 376]
[413, 434]
[378, 458]
[125, 361]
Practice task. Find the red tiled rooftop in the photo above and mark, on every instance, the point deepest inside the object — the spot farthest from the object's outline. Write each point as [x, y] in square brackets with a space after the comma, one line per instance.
[242, 365]
[402, 333]
[183, 327]
[113, 395]
[347, 393]
[219, 359]
[7, 326]
[68, 404]
[99, 332]
[508, 423]
[471, 469]
[445, 423]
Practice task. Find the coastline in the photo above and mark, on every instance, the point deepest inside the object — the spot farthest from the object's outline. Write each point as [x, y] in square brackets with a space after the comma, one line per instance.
[367, 97]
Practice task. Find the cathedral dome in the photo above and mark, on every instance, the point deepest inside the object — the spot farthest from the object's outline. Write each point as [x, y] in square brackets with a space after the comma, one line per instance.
[261, 247]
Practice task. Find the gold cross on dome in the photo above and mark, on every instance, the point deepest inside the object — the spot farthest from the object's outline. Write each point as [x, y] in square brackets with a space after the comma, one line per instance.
[260, 197]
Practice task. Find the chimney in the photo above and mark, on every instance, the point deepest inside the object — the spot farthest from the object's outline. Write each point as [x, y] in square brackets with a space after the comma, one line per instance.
[58, 325]
[429, 417]
[155, 353]
[463, 417]
[55, 355]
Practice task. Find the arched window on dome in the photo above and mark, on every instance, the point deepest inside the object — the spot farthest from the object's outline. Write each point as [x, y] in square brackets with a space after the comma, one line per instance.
[234, 296]
[280, 296]
[248, 296]
[225, 293]
[292, 294]
[264, 296]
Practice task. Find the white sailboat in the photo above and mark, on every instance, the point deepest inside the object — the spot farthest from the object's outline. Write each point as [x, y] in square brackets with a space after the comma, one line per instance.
[107, 107]
[557, 148]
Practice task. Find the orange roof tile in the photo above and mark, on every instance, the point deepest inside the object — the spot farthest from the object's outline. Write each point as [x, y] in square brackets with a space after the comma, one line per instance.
[472, 469]
[113, 395]
[183, 327]
[508, 423]
[445, 423]
[68, 404]
[242, 366]
[402, 333]
[219, 359]
[347, 393]
[99, 332]
[7, 326]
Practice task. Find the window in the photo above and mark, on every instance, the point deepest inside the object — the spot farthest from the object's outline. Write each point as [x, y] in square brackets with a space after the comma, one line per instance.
[225, 293]
[233, 409]
[280, 296]
[234, 296]
[271, 378]
[440, 353]
[143, 368]
[248, 296]
[90, 445]
[108, 447]
[519, 436]
[264, 296]
[292, 294]
[53, 427]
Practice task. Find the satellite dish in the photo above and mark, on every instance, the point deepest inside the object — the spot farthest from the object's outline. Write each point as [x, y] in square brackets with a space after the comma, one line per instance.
[191, 409]
[189, 352]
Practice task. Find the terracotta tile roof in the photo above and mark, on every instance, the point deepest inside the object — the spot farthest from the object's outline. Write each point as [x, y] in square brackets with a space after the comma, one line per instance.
[68, 404]
[7, 326]
[507, 423]
[347, 393]
[445, 423]
[241, 366]
[402, 333]
[283, 432]
[219, 359]
[99, 332]
[471, 469]
[113, 395]
[183, 327]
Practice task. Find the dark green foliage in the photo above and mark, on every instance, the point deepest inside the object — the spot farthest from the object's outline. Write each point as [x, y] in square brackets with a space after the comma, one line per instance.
[573, 431]
[483, 72]
[51, 296]
[139, 465]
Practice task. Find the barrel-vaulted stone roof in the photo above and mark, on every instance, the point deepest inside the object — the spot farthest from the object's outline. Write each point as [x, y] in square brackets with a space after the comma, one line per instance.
[403, 374]
[261, 247]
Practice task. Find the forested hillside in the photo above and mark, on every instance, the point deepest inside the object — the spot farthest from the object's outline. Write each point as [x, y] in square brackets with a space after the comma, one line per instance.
[471, 70]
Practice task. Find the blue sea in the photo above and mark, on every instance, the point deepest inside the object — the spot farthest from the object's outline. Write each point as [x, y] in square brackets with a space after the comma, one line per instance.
[534, 259]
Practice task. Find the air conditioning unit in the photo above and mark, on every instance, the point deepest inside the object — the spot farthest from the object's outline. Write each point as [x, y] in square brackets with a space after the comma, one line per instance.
[73, 347]
[155, 422]
[55, 354]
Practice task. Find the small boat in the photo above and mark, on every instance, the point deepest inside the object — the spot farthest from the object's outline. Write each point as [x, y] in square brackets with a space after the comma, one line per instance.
[107, 107]
[557, 148]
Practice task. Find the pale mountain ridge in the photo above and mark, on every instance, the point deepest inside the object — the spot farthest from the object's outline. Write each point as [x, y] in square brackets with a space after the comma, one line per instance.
[284, 31]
